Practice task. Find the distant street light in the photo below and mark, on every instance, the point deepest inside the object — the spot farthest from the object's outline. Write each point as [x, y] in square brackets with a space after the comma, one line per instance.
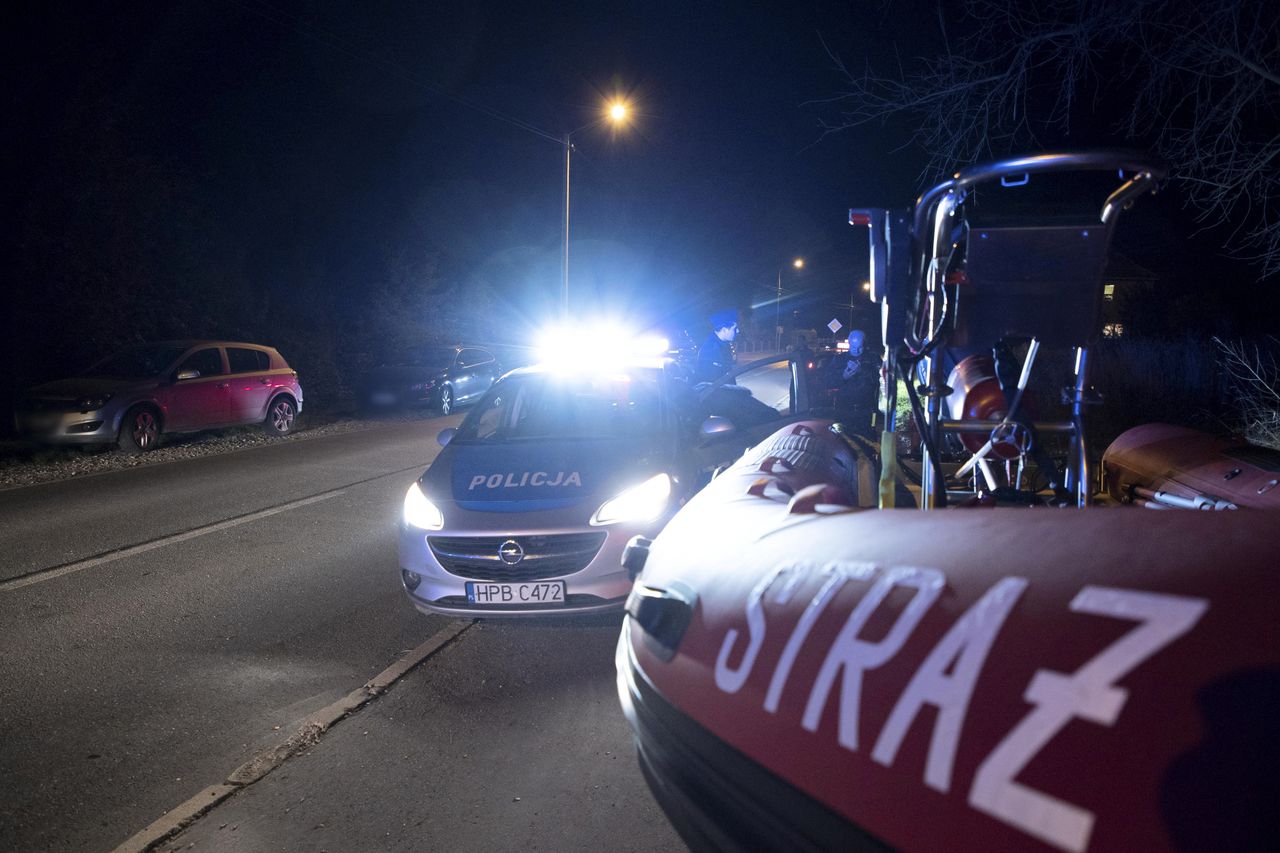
[798, 263]
[618, 112]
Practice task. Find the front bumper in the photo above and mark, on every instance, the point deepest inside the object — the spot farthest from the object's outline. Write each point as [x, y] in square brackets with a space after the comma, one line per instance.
[599, 585]
[98, 427]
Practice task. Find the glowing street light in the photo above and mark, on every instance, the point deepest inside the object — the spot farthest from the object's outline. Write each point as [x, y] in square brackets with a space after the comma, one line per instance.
[798, 263]
[617, 112]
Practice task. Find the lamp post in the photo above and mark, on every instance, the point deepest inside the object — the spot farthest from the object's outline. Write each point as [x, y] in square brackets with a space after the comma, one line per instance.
[798, 263]
[866, 288]
[617, 114]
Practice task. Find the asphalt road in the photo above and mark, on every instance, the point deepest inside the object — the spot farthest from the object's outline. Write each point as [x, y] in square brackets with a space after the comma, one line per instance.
[164, 624]
[510, 739]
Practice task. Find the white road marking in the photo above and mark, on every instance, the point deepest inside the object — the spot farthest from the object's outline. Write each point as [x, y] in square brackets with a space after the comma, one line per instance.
[41, 575]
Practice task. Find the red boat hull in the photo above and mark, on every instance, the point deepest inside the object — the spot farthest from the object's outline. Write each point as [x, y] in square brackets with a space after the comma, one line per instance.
[1189, 463]
[1011, 679]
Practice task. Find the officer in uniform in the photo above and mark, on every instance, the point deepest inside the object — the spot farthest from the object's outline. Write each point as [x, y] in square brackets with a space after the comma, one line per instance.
[715, 356]
[857, 385]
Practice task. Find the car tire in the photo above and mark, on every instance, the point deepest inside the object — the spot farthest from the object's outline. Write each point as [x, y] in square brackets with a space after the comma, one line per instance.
[139, 430]
[282, 415]
[446, 400]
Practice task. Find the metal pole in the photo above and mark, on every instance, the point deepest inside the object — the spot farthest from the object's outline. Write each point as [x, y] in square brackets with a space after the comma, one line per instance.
[1079, 477]
[777, 315]
[564, 265]
[927, 474]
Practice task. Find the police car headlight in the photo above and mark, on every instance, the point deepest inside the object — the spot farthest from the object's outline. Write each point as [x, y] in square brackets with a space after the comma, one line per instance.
[638, 503]
[420, 512]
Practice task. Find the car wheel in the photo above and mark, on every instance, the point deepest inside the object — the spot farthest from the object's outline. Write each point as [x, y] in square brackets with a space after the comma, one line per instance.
[280, 416]
[140, 430]
[446, 400]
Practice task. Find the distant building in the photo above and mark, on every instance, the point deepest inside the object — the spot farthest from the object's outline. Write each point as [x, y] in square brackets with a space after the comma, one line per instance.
[1125, 288]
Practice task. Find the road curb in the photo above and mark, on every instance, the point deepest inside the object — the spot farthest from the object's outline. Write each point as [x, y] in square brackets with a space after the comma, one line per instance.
[267, 760]
[176, 818]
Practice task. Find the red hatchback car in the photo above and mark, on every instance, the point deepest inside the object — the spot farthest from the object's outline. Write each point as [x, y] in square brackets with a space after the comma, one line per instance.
[142, 392]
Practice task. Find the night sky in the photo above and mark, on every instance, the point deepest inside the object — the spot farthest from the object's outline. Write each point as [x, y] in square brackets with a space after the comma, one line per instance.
[274, 155]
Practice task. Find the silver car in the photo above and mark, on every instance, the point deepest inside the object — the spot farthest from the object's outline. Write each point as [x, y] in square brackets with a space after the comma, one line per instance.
[529, 506]
[138, 394]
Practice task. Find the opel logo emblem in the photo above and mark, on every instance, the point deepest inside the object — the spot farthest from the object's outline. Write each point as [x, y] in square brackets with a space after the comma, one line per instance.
[510, 552]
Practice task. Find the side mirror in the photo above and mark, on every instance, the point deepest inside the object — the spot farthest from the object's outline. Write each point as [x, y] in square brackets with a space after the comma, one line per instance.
[714, 426]
[187, 374]
[446, 435]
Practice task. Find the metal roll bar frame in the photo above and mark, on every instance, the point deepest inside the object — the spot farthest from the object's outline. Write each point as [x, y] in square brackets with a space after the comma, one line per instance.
[923, 329]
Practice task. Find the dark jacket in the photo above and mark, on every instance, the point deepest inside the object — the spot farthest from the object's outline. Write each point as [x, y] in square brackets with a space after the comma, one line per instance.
[715, 359]
[857, 383]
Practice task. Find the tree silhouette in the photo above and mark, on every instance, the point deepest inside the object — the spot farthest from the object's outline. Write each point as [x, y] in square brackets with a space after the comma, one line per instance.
[1197, 82]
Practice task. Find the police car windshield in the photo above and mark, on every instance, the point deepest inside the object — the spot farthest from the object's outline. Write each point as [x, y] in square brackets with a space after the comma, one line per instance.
[574, 405]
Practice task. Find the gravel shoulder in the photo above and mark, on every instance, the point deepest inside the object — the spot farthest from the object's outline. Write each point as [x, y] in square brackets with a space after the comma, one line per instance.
[24, 463]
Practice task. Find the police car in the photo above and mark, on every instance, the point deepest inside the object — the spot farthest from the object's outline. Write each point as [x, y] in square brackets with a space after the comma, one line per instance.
[528, 507]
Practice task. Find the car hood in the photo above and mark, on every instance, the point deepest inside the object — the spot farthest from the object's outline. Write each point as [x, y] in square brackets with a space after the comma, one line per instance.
[529, 476]
[87, 386]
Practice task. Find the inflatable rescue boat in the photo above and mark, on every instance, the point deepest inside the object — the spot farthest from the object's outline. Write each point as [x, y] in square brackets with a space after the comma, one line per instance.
[804, 675]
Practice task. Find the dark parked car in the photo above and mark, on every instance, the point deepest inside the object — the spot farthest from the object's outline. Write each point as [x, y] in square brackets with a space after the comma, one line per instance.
[443, 377]
[139, 393]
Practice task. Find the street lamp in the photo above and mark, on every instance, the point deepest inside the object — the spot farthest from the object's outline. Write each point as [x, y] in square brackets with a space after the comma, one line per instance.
[798, 263]
[617, 113]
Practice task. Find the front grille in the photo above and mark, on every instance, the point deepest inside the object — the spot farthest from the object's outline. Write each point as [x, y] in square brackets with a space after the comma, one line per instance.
[545, 556]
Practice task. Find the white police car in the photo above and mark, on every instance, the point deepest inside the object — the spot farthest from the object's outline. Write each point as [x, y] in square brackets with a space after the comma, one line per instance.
[527, 509]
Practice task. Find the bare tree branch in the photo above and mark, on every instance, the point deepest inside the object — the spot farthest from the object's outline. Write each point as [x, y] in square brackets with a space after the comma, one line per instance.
[1253, 371]
[1199, 83]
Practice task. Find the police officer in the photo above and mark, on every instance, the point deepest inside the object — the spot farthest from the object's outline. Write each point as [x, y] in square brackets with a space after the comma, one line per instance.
[715, 356]
[857, 385]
